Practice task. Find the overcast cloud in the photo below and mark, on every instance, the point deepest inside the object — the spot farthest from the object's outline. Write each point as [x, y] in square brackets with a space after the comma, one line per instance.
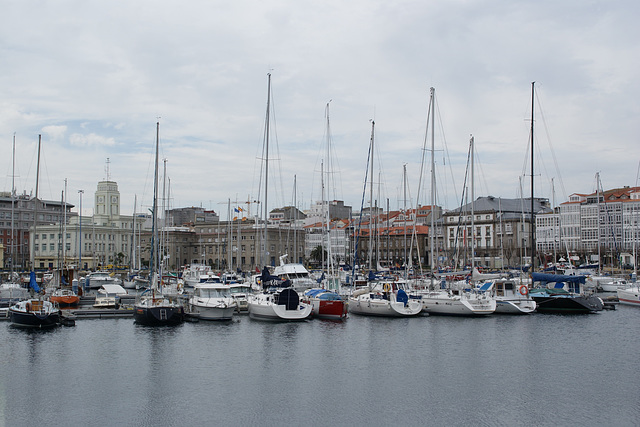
[93, 77]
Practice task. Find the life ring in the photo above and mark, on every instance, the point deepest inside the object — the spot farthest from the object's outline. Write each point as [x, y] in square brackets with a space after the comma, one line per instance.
[386, 287]
[523, 290]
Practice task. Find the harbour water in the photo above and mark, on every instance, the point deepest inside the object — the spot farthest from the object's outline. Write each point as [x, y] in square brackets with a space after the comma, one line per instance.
[549, 370]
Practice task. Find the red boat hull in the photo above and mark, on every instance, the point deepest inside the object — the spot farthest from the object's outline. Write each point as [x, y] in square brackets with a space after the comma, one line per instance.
[65, 301]
[327, 309]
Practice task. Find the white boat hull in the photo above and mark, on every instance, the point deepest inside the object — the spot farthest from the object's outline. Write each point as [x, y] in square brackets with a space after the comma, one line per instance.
[212, 313]
[630, 296]
[515, 306]
[264, 307]
[368, 306]
[443, 303]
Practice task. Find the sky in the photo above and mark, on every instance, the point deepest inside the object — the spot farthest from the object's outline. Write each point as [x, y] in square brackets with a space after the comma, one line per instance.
[93, 78]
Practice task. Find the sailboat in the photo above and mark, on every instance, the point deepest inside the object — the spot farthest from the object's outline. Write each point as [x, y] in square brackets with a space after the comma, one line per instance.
[556, 293]
[35, 312]
[11, 291]
[63, 294]
[278, 300]
[453, 302]
[152, 307]
[327, 303]
[381, 298]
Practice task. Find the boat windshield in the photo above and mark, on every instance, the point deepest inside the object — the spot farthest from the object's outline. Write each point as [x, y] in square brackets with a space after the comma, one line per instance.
[212, 293]
[240, 290]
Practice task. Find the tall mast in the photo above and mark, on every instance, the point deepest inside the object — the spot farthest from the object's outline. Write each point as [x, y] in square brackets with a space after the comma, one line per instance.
[330, 266]
[266, 173]
[295, 219]
[64, 228]
[13, 177]
[473, 230]
[404, 207]
[154, 224]
[432, 100]
[533, 216]
[371, 229]
[35, 209]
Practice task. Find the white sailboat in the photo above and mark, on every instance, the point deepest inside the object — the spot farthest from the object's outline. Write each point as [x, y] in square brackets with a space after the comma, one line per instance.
[278, 300]
[453, 302]
[382, 298]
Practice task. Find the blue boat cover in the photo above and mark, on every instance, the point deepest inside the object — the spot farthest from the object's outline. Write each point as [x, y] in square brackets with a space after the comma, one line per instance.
[330, 296]
[313, 292]
[33, 283]
[551, 278]
[402, 297]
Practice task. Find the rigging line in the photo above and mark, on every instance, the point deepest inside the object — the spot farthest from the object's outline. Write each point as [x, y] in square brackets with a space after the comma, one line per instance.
[553, 154]
[446, 155]
[479, 165]
[464, 191]
[359, 228]
[279, 195]
[424, 152]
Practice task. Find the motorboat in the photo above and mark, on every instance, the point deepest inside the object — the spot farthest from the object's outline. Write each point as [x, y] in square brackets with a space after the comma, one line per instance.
[612, 285]
[563, 294]
[96, 279]
[110, 296]
[212, 301]
[326, 304]
[34, 313]
[384, 299]
[12, 292]
[512, 298]
[629, 295]
[294, 275]
[198, 273]
[65, 298]
[240, 293]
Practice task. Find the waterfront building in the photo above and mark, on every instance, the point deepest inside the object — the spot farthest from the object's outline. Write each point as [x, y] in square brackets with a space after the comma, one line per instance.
[395, 238]
[100, 240]
[603, 222]
[49, 212]
[501, 231]
[226, 245]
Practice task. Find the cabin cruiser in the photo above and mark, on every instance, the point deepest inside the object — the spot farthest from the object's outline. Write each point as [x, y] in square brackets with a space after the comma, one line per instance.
[212, 301]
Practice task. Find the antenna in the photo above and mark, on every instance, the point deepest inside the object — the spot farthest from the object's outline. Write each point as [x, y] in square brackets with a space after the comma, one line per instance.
[106, 170]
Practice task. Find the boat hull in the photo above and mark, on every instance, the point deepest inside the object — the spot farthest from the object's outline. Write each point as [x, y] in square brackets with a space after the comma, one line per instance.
[66, 301]
[38, 320]
[158, 315]
[577, 304]
[444, 304]
[331, 310]
[212, 313]
[629, 296]
[281, 306]
[515, 306]
[366, 305]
